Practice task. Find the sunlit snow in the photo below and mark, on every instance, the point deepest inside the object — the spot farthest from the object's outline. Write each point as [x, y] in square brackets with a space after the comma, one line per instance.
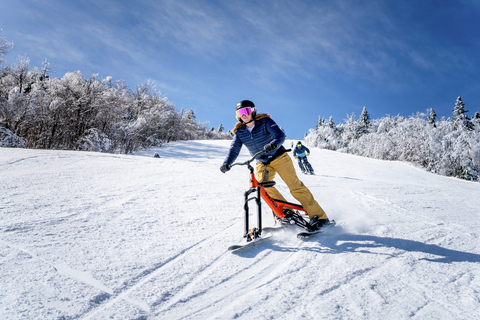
[89, 235]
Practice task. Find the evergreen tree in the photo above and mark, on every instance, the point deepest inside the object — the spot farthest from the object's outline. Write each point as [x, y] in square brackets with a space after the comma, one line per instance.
[320, 122]
[363, 123]
[460, 118]
[191, 114]
[220, 128]
[476, 116]
[331, 124]
[432, 117]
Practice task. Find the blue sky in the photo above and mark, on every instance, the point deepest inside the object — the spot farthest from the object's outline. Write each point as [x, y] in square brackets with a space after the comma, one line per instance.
[296, 60]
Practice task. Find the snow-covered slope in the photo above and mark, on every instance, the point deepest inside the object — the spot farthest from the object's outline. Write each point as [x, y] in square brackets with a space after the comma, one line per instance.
[98, 236]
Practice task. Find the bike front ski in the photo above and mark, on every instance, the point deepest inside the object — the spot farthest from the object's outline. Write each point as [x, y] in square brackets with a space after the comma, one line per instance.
[251, 243]
[306, 235]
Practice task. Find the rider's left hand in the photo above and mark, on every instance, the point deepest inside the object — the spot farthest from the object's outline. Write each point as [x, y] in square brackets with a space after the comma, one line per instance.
[269, 147]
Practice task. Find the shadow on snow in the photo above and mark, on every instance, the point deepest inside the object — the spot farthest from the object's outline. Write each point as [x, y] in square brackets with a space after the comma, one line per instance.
[342, 243]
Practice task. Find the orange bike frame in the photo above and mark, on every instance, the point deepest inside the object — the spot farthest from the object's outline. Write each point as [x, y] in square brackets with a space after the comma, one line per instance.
[277, 206]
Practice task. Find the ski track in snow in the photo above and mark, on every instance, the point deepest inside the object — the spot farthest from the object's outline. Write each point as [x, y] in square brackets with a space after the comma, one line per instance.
[395, 209]
[94, 236]
[145, 277]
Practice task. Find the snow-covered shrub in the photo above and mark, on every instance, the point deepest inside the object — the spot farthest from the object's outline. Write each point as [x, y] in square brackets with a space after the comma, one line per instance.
[93, 140]
[9, 140]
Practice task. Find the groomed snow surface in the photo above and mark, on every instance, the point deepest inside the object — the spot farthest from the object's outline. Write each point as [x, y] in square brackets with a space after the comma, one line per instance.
[100, 236]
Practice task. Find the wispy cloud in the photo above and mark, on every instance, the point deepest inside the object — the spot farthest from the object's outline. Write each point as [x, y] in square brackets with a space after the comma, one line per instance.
[264, 40]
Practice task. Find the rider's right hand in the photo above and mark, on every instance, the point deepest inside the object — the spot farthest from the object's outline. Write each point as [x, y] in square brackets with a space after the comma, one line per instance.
[225, 167]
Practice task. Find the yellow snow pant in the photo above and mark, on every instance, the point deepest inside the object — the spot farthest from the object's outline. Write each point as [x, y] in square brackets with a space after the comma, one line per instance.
[283, 165]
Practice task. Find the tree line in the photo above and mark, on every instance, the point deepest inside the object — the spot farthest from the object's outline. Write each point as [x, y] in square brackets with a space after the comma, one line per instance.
[88, 113]
[449, 146]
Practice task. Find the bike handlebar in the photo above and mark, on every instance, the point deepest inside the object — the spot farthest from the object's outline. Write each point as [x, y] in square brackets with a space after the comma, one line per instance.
[253, 158]
[248, 161]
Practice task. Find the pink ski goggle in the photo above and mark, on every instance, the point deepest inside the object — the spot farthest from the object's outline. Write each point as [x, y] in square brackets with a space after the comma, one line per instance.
[244, 111]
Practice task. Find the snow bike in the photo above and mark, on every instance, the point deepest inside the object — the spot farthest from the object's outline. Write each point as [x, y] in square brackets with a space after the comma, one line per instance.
[306, 167]
[286, 212]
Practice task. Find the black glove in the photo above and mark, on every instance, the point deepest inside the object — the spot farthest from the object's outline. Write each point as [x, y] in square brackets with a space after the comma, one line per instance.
[225, 167]
[269, 147]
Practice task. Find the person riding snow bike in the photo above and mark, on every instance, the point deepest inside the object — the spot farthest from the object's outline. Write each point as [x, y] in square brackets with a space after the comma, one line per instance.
[301, 152]
[259, 132]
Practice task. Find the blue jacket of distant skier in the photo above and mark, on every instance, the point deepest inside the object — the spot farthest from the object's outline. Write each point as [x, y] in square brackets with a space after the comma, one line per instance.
[301, 151]
[265, 131]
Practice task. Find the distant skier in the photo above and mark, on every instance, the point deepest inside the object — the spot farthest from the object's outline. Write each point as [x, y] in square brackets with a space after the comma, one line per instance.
[156, 155]
[257, 132]
[301, 152]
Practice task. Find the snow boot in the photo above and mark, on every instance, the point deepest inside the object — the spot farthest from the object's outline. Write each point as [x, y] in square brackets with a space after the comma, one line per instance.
[316, 223]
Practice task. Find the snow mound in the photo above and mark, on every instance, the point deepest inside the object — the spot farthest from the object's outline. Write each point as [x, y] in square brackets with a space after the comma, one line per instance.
[10, 140]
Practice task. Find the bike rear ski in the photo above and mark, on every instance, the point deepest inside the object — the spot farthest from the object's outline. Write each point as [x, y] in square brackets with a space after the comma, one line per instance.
[309, 234]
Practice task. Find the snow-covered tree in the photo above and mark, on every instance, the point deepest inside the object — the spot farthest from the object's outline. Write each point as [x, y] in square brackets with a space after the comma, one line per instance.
[75, 112]
[331, 124]
[191, 114]
[320, 122]
[47, 70]
[444, 150]
[5, 48]
[432, 117]
[220, 128]
[21, 72]
[349, 129]
[363, 123]
[460, 117]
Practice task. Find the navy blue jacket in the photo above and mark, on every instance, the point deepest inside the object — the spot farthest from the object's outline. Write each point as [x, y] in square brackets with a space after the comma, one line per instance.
[265, 131]
[300, 151]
